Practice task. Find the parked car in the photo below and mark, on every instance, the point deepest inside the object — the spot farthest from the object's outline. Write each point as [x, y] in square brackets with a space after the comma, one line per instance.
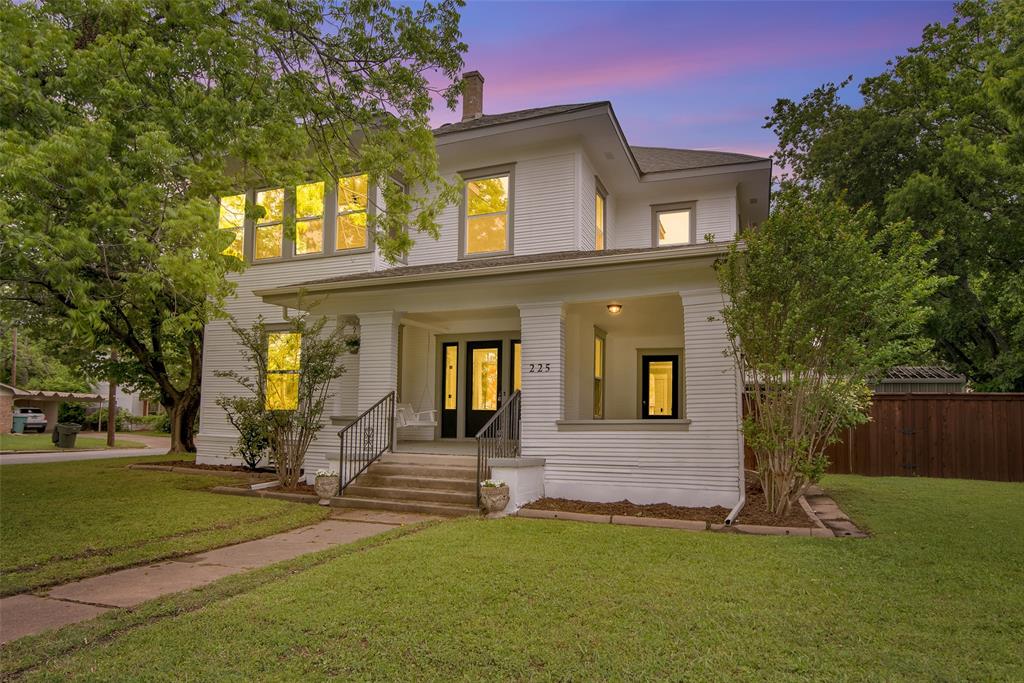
[35, 418]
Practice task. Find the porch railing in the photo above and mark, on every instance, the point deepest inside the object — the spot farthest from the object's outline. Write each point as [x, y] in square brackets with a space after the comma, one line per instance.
[499, 438]
[368, 437]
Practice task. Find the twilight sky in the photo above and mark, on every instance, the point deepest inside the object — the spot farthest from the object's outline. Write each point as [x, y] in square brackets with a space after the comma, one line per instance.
[682, 74]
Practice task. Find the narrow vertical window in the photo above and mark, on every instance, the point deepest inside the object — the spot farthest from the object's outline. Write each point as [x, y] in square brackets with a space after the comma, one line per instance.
[232, 218]
[599, 342]
[309, 218]
[487, 215]
[353, 194]
[517, 366]
[270, 228]
[284, 355]
[451, 376]
[599, 216]
[485, 379]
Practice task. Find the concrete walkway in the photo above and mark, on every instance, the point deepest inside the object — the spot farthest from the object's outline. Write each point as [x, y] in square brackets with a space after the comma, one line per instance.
[29, 614]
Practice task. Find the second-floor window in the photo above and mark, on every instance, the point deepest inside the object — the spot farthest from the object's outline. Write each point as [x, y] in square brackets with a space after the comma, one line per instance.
[599, 216]
[487, 221]
[353, 193]
[674, 224]
[270, 228]
[309, 218]
[232, 218]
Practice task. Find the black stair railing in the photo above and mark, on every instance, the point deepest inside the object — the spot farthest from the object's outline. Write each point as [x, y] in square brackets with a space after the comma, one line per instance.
[368, 437]
[499, 438]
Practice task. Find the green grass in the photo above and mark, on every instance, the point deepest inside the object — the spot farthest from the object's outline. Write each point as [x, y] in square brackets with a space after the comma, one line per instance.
[44, 442]
[935, 594]
[62, 521]
[148, 432]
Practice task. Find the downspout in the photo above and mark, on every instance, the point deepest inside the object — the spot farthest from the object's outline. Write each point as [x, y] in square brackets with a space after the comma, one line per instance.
[742, 478]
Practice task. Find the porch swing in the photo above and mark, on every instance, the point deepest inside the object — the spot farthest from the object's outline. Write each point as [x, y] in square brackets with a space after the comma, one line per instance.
[407, 416]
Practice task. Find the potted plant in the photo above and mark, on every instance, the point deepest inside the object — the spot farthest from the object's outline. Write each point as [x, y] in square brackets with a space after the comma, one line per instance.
[493, 495]
[326, 483]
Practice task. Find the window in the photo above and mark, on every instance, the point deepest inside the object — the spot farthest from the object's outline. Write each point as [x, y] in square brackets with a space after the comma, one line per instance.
[309, 218]
[486, 218]
[232, 217]
[284, 353]
[599, 342]
[659, 386]
[451, 376]
[517, 366]
[485, 379]
[353, 193]
[270, 228]
[674, 224]
[599, 215]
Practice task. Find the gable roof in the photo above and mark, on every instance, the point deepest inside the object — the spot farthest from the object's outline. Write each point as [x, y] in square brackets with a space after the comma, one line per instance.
[513, 116]
[656, 159]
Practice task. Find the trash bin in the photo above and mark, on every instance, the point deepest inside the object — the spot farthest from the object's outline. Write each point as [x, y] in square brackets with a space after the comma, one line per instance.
[64, 434]
[18, 424]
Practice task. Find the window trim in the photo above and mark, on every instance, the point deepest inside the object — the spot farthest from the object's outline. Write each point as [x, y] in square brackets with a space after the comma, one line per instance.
[668, 208]
[243, 226]
[282, 329]
[323, 221]
[371, 210]
[479, 174]
[680, 381]
[603, 336]
[286, 247]
[599, 189]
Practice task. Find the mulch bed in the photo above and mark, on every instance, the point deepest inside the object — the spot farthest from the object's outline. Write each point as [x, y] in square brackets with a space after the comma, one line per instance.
[754, 512]
[301, 487]
[219, 468]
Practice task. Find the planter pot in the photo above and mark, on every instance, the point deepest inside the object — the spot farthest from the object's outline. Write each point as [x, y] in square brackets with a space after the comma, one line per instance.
[494, 498]
[327, 486]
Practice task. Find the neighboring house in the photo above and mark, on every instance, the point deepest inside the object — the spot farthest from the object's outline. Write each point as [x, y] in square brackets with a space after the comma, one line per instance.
[131, 401]
[578, 269]
[921, 379]
[47, 401]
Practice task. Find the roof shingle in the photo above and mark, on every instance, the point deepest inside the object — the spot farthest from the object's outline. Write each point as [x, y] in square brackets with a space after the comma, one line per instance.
[656, 159]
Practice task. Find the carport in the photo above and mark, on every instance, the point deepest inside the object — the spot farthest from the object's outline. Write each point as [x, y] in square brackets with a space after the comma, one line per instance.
[48, 401]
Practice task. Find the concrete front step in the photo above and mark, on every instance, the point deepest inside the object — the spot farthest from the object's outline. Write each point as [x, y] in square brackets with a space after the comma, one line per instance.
[447, 510]
[411, 495]
[404, 482]
[389, 469]
[429, 459]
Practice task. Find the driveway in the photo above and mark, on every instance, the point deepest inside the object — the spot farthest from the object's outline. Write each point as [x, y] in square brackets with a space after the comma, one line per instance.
[155, 445]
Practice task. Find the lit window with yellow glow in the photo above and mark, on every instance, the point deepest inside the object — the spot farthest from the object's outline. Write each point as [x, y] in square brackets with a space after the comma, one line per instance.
[284, 356]
[487, 216]
[599, 220]
[232, 218]
[451, 377]
[485, 379]
[673, 227]
[517, 366]
[270, 228]
[309, 218]
[353, 193]
[660, 390]
[598, 375]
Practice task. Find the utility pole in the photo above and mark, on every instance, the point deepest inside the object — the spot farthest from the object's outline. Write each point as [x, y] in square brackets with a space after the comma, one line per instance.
[111, 403]
[14, 356]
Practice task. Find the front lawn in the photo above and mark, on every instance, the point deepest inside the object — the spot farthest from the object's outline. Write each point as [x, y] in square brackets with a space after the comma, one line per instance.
[67, 520]
[936, 594]
[44, 442]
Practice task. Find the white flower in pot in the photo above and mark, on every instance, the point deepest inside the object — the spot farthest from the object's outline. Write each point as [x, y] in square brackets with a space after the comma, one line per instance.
[493, 495]
[326, 483]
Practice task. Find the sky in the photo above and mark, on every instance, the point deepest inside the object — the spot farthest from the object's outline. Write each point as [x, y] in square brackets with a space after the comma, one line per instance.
[700, 75]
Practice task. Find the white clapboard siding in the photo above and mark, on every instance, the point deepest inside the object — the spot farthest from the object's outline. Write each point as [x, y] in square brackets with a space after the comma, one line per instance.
[716, 214]
[587, 207]
[696, 467]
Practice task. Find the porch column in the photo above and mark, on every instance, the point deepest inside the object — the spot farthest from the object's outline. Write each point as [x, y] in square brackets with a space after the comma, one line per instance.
[543, 381]
[378, 356]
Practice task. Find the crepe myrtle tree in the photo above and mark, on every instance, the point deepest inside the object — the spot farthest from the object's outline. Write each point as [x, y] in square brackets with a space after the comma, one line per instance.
[121, 123]
[289, 369]
[816, 307]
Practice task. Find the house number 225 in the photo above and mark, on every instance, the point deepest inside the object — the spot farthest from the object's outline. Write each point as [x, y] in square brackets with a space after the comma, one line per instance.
[539, 367]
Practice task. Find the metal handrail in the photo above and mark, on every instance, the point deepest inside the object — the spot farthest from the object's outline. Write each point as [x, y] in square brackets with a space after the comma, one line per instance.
[365, 439]
[498, 438]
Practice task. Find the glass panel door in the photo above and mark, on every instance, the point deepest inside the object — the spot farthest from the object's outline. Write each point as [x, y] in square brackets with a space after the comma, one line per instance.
[483, 383]
[659, 387]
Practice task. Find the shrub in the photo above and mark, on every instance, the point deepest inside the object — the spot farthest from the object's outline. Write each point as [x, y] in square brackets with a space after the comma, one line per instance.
[71, 412]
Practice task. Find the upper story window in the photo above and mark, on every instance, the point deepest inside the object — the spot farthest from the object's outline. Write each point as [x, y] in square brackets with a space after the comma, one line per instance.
[487, 215]
[232, 217]
[270, 228]
[353, 203]
[309, 218]
[599, 215]
[674, 224]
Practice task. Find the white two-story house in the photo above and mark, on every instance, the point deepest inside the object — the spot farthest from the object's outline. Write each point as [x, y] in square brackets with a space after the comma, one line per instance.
[577, 271]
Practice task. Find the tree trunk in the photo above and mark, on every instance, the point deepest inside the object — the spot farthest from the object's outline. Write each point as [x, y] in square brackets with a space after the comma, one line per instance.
[182, 413]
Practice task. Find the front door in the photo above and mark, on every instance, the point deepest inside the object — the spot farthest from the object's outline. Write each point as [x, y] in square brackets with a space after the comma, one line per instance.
[659, 396]
[483, 383]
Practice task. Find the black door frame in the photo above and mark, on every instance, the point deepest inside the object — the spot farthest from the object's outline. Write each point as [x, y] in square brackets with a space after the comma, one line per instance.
[645, 385]
[474, 420]
[449, 417]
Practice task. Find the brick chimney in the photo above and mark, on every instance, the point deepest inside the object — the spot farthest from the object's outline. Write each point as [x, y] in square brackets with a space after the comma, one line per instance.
[472, 95]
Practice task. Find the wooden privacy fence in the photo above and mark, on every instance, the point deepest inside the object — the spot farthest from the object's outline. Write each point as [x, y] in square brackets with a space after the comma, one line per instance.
[963, 436]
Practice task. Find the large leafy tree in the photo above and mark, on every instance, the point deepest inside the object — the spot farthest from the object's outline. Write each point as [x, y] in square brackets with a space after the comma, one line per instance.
[939, 141]
[121, 122]
[816, 309]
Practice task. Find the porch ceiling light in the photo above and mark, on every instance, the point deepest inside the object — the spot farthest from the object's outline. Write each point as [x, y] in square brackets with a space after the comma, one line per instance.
[614, 309]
